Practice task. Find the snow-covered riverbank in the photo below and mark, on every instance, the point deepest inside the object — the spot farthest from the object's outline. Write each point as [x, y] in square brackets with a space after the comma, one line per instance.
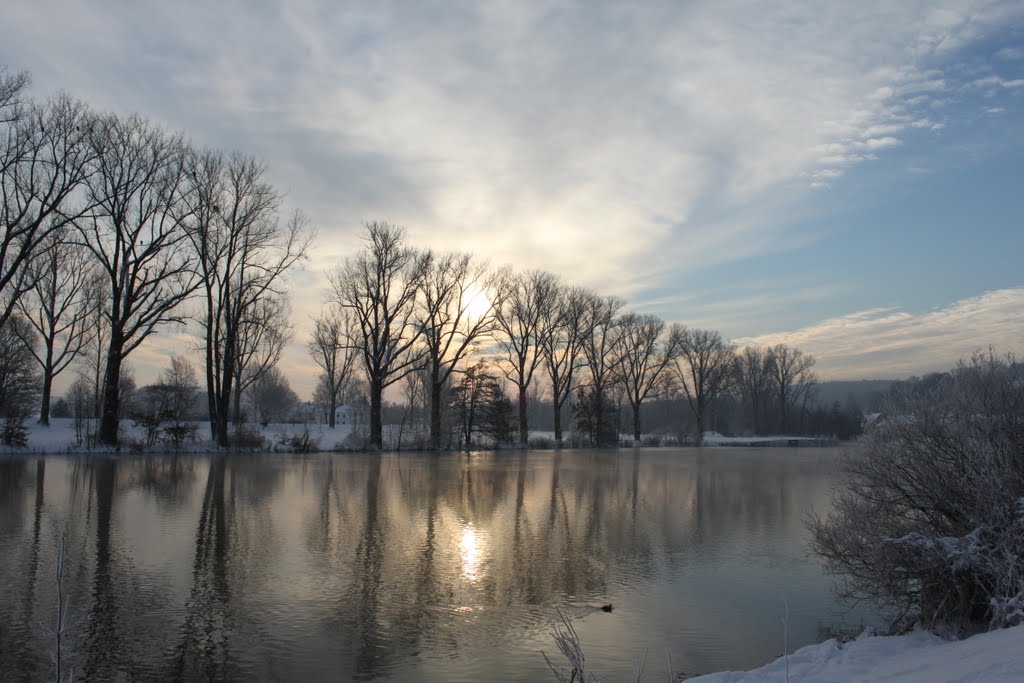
[994, 657]
[60, 438]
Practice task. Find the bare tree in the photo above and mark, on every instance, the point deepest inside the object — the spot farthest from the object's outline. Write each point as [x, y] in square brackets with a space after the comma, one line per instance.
[19, 380]
[138, 235]
[244, 251]
[164, 409]
[262, 337]
[58, 308]
[379, 286]
[94, 355]
[645, 356]
[562, 347]
[13, 87]
[754, 375]
[521, 315]
[44, 158]
[414, 388]
[791, 378]
[272, 397]
[927, 519]
[333, 349]
[599, 344]
[704, 369]
[481, 406]
[180, 379]
[457, 309]
[83, 406]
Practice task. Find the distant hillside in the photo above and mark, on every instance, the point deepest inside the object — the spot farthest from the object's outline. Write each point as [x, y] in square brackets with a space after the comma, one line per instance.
[865, 394]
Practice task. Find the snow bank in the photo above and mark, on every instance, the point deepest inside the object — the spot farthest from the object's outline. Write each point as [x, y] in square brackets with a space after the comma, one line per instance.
[59, 437]
[718, 439]
[992, 657]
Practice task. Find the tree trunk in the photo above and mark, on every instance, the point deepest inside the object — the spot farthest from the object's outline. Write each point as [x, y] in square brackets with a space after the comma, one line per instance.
[111, 391]
[218, 393]
[754, 404]
[524, 431]
[333, 405]
[782, 413]
[470, 415]
[376, 426]
[237, 417]
[435, 413]
[97, 394]
[558, 424]
[223, 404]
[44, 408]
[219, 403]
[636, 423]
[700, 428]
[228, 383]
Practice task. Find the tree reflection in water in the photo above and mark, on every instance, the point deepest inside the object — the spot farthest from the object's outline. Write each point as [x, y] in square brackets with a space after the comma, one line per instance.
[204, 645]
[104, 642]
[364, 566]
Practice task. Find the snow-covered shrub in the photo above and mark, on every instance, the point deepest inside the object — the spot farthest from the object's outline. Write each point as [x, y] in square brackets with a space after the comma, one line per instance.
[247, 438]
[14, 433]
[300, 442]
[19, 378]
[541, 442]
[929, 521]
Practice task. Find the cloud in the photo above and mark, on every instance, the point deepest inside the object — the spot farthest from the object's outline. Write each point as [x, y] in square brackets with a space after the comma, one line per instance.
[990, 81]
[619, 144]
[526, 131]
[888, 342]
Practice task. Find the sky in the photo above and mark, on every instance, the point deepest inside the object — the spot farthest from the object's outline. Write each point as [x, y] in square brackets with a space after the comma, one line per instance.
[845, 177]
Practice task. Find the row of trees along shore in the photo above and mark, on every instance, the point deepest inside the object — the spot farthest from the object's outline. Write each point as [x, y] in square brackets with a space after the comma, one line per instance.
[401, 314]
[114, 227]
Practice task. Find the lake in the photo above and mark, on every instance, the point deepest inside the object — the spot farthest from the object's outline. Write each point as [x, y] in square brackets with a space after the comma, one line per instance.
[412, 566]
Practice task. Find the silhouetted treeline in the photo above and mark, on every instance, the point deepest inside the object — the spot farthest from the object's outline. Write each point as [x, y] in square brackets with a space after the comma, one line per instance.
[126, 227]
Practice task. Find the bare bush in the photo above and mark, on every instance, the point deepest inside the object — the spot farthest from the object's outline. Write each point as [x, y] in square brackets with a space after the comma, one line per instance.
[568, 642]
[930, 519]
[19, 379]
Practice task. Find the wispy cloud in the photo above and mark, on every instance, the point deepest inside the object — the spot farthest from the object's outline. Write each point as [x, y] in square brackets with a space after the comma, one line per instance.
[619, 144]
[891, 342]
[523, 130]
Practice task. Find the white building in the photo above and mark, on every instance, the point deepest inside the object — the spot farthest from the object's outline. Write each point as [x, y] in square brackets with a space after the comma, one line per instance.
[346, 418]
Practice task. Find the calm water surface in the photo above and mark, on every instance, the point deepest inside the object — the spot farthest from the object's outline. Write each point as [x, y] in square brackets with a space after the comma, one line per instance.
[411, 566]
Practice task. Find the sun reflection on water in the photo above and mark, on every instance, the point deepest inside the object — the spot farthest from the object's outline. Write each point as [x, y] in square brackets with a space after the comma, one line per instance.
[472, 548]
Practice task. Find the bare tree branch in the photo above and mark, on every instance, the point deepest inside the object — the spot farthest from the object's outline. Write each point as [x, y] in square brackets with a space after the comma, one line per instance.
[44, 158]
[380, 286]
[244, 252]
[705, 369]
[333, 348]
[645, 355]
[58, 308]
[525, 299]
[138, 234]
[458, 304]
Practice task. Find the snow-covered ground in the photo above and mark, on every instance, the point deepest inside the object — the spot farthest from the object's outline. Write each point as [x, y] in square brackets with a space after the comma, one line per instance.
[60, 437]
[716, 439]
[994, 657]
